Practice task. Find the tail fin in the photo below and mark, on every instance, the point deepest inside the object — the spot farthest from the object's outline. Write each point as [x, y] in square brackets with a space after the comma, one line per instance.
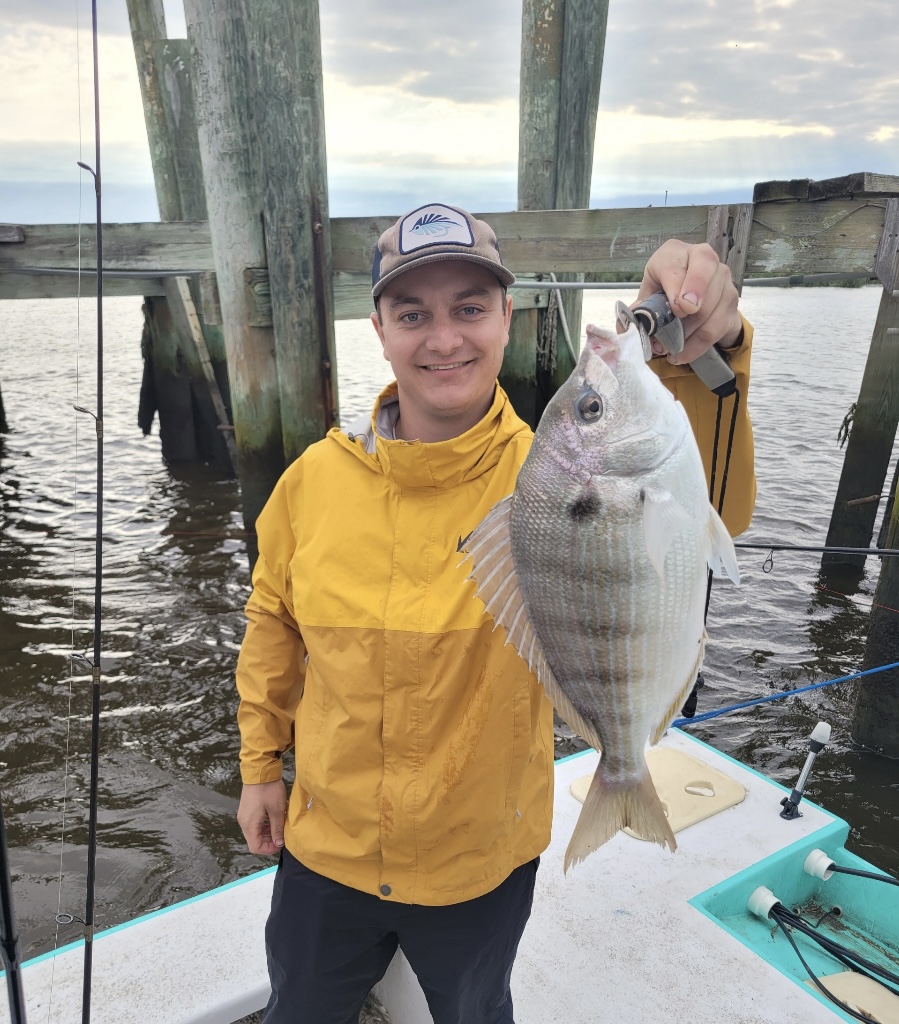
[608, 809]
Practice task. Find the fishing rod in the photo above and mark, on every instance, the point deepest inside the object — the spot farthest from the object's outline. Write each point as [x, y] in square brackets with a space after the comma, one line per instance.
[9, 939]
[98, 558]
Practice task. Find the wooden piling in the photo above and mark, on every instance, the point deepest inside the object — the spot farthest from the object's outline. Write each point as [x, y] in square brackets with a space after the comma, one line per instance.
[876, 716]
[221, 82]
[870, 443]
[562, 45]
[287, 98]
[4, 426]
[179, 384]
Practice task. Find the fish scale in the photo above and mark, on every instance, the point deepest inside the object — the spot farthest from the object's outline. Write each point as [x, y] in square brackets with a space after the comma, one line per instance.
[596, 568]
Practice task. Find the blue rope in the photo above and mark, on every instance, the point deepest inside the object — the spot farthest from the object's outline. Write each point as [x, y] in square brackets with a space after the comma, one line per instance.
[779, 696]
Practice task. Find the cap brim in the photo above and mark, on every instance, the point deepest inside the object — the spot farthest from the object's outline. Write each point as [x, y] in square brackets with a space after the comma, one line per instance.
[504, 276]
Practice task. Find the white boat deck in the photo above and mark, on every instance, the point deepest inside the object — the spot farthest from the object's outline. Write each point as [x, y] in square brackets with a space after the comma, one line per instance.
[615, 940]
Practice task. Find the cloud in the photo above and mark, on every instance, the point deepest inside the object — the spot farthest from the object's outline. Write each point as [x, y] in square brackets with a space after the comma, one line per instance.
[697, 98]
[794, 63]
[467, 51]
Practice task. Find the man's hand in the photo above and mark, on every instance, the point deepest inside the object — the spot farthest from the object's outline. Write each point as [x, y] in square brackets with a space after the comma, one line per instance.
[700, 292]
[261, 814]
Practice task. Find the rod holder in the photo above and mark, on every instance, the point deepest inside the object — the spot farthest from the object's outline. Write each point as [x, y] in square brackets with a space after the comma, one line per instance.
[817, 742]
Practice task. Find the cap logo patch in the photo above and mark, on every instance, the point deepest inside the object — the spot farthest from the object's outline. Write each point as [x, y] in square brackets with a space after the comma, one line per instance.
[434, 225]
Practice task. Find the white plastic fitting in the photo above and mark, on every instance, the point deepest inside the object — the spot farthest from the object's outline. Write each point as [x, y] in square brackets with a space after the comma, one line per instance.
[821, 733]
[761, 901]
[818, 865]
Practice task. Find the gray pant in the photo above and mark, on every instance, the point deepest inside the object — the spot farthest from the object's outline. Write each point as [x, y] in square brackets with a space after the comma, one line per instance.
[328, 944]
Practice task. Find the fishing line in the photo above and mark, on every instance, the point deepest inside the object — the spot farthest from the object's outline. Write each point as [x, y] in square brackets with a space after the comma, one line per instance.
[61, 918]
[678, 722]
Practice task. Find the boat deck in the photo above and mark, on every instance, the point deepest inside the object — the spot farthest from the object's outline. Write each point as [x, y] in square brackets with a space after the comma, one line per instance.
[626, 936]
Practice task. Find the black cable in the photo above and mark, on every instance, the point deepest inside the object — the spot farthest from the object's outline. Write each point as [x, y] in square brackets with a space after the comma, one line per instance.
[856, 961]
[865, 874]
[842, 953]
[813, 976]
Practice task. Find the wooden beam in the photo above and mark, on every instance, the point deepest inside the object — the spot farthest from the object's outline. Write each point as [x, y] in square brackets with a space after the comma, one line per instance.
[182, 247]
[43, 286]
[787, 238]
[863, 185]
[221, 83]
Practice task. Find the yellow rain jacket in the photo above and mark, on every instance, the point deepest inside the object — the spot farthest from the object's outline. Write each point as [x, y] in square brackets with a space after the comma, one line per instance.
[423, 746]
[702, 408]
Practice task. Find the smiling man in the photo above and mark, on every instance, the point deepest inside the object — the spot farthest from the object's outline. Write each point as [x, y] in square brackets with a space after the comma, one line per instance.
[423, 746]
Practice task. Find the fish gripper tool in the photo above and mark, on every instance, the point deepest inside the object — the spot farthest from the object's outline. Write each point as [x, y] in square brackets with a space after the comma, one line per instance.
[654, 318]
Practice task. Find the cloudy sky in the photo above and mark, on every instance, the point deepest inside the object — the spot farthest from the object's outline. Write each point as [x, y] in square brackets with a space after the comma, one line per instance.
[700, 98]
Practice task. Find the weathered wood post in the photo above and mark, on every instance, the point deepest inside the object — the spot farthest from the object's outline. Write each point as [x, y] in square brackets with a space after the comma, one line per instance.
[875, 723]
[870, 444]
[221, 80]
[562, 45]
[289, 116]
[4, 426]
[174, 376]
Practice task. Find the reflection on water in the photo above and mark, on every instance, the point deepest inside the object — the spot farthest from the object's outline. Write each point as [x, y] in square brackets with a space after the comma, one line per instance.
[176, 580]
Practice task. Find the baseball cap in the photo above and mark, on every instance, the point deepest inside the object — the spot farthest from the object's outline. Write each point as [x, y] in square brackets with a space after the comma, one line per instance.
[432, 233]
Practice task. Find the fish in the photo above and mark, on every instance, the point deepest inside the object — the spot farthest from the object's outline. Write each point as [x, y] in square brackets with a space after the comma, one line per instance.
[596, 566]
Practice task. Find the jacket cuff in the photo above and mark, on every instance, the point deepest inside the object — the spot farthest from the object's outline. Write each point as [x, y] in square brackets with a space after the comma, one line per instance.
[254, 775]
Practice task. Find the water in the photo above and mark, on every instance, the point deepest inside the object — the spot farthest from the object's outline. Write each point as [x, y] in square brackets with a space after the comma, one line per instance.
[176, 580]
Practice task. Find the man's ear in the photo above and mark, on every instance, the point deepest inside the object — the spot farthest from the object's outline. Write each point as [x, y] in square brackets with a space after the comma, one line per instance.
[379, 330]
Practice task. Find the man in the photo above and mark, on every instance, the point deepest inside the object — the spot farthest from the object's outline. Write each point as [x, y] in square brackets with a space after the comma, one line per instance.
[423, 747]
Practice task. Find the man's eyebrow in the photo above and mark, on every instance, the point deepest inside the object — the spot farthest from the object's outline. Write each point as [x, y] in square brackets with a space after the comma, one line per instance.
[405, 300]
[471, 293]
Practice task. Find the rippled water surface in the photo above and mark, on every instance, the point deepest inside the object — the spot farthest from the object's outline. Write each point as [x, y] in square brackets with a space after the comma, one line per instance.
[176, 580]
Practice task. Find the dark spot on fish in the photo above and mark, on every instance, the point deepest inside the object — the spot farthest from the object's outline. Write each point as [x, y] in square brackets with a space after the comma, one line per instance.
[584, 507]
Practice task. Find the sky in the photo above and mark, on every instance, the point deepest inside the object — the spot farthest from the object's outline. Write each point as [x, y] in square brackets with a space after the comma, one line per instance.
[699, 99]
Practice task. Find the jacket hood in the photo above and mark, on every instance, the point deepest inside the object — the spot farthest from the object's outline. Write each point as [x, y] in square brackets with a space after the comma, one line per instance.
[438, 463]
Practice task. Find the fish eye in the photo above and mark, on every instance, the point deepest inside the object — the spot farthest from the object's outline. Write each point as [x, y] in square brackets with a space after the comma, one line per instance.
[589, 407]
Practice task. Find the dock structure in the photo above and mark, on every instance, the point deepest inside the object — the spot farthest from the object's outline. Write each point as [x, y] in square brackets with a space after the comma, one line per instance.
[246, 271]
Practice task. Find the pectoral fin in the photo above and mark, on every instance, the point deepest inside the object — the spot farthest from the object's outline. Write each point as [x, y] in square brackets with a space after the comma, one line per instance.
[722, 555]
[663, 519]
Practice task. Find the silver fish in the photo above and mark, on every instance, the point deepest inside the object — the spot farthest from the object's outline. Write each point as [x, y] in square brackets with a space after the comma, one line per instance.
[595, 566]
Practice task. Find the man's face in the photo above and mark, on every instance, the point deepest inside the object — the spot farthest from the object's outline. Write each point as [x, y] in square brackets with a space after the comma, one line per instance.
[443, 327]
